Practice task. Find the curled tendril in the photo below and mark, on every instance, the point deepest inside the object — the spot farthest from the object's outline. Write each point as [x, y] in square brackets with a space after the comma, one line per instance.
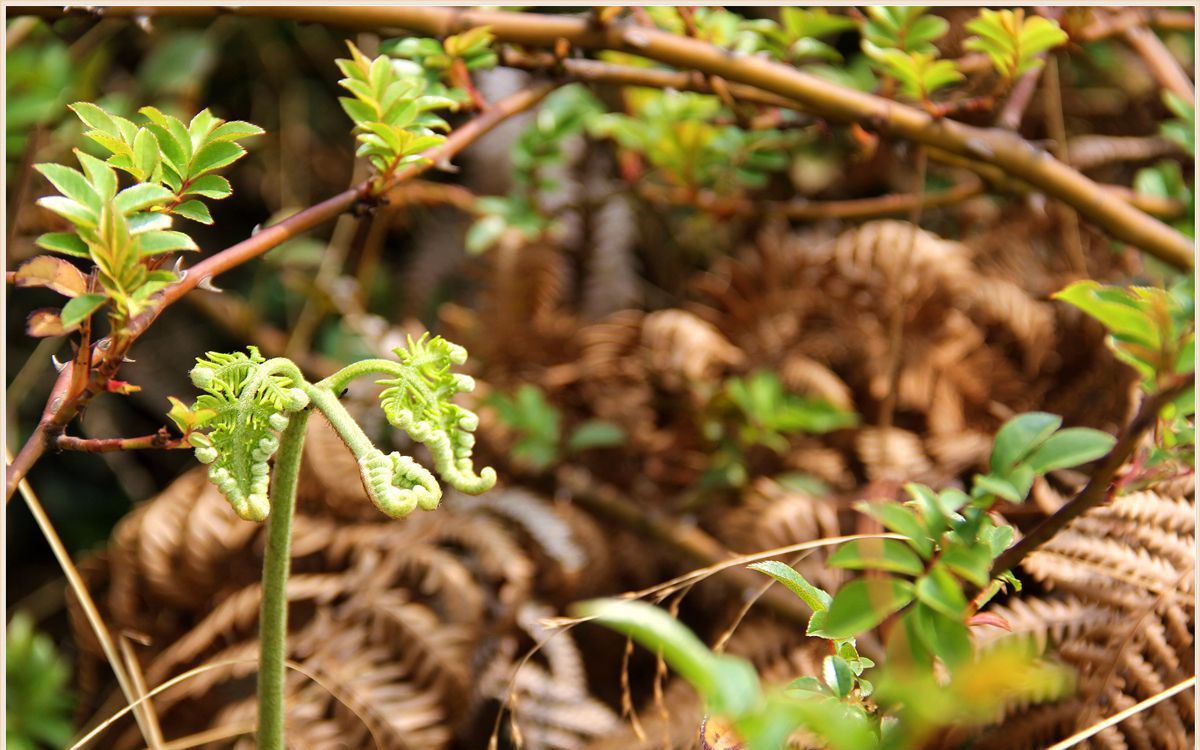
[251, 397]
[418, 401]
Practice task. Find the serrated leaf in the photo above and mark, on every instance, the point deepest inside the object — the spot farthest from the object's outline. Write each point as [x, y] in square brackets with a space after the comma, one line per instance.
[141, 196]
[1070, 447]
[52, 273]
[80, 309]
[145, 155]
[214, 155]
[235, 130]
[71, 183]
[95, 117]
[100, 175]
[194, 210]
[209, 186]
[158, 242]
[864, 603]
[877, 554]
[816, 598]
[66, 243]
[73, 211]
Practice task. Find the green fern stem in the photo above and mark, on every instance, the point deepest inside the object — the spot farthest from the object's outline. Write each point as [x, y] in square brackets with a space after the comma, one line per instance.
[276, 565]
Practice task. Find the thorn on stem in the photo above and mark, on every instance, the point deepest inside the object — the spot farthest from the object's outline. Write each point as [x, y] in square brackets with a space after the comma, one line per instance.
[207, 284]
[57, 365]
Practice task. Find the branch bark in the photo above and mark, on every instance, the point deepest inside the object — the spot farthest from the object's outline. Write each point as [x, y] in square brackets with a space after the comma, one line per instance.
[1005, 150]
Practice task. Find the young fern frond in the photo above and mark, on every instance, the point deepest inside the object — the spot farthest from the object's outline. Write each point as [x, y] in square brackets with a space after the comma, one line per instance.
[418, 401]
[250, 397]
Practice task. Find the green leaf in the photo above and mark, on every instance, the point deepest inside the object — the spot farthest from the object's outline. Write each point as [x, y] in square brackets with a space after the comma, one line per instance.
[595, 433]
[214, 155]
[816, 598]
[101, 176]
[194, 210]
[877, 554]
[999, 487]
[73, 211]
[96, 118]
[945, 637]
[145, 155]
[141, 196]
[972, 563]
[235, 130]
[729, 684]
[1070, 447]
[940, 590]
[864, 603]
[156, 243]
[895, 517]
[837, 675]
[186, 418]
[1019, 437]
[209, 186]
[71, 183]
[66, 243]
[80, 309]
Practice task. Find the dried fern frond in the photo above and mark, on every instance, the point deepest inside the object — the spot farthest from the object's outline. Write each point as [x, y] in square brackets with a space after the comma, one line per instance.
[1120, 610]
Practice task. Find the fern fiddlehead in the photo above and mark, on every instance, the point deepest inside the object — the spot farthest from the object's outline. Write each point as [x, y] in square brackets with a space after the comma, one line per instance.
[253, 407]
[251, 398]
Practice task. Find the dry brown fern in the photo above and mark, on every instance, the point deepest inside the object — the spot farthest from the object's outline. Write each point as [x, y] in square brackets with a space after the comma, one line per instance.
[396, 622]
[1119, 608]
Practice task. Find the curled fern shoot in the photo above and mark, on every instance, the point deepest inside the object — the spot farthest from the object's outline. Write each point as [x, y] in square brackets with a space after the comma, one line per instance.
[418, 401]
[251, 398]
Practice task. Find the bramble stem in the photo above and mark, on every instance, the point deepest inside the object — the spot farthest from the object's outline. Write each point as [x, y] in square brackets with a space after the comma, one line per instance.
[272, 628]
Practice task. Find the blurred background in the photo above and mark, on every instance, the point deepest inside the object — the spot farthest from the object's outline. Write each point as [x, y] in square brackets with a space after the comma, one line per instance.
[659, 385]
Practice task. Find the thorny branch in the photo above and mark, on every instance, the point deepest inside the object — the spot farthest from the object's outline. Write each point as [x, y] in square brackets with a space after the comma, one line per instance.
[77, 386]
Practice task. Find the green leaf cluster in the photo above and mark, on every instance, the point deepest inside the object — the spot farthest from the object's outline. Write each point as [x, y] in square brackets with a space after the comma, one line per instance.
[537, 424]
[564, 114]
[714, 25]
[1152, 330]
[437, 60]
[37, 701]
[165, 152]
[674, 131]
[395, 119]
[756, 411]
[797, 38]
[120, 231]
[906, 28]
[945, 541]
[245, 406]
[1012, 41]
[899, 42]
[1182, 128]
[1149, 328]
